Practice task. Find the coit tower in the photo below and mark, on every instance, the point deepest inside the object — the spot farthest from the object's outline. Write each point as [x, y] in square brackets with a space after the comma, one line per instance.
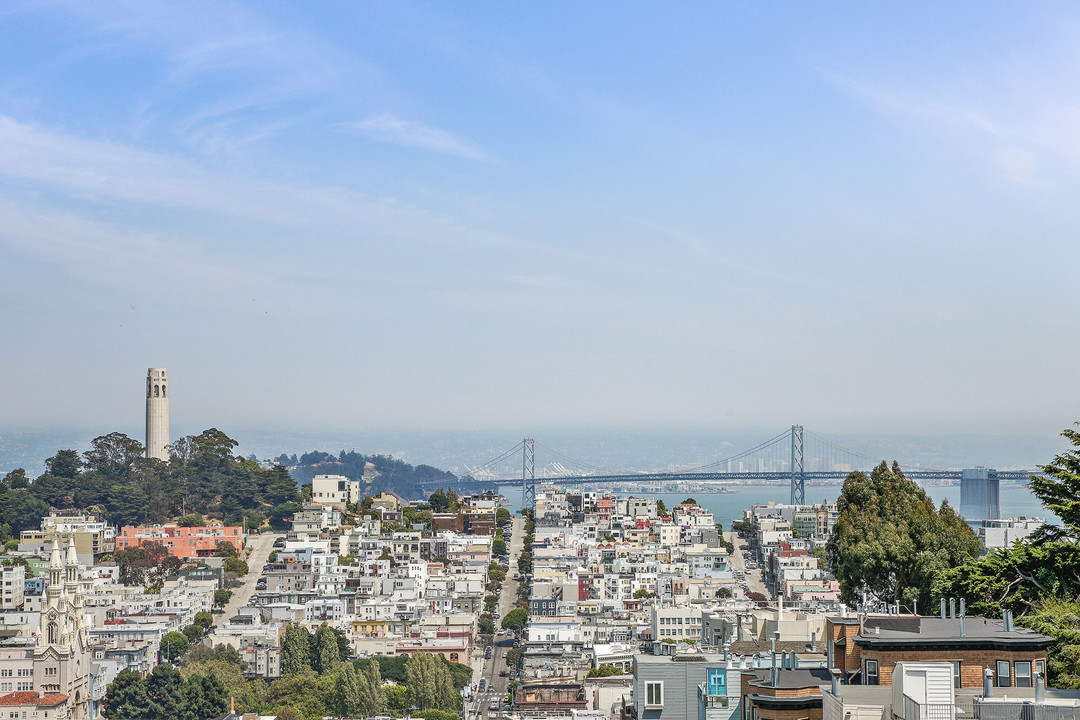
[157, 414]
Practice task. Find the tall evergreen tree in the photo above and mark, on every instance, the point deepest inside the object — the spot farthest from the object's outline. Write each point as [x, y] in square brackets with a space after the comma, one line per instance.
[890, 542]
[295, 649]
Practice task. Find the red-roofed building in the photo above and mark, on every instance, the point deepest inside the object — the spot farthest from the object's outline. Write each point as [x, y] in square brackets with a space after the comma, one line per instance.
[34, 706]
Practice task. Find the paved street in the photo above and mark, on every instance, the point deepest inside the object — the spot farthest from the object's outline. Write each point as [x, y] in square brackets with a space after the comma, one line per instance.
[255, 554]
[496, 685]
[752, 577]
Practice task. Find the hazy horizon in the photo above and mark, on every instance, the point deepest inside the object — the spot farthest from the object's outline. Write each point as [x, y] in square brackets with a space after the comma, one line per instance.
[856, 217]
[614, 448]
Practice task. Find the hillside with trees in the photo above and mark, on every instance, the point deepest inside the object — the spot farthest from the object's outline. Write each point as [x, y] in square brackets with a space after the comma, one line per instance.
[202, 477]
[390, 474]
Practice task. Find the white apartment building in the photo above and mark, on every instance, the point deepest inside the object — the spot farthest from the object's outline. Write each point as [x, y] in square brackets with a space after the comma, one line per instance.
[335, 490]
[676, 623]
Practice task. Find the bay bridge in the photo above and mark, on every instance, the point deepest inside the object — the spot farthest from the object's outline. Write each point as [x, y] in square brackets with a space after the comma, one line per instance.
[795, 456]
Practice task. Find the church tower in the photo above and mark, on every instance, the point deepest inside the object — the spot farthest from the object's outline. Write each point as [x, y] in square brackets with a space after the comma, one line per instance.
[157, 414]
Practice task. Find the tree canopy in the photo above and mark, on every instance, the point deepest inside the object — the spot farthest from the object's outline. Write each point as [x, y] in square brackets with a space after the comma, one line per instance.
[203, 476]
[890, 542]
[1038, 578]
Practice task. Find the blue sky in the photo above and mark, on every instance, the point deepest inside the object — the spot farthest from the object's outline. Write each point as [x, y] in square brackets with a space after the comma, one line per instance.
[858, 217]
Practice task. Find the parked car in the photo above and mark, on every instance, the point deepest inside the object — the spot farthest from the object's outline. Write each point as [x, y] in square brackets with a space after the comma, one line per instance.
[483, 684]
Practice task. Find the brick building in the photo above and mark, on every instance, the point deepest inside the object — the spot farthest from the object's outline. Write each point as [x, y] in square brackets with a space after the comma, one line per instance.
[866, 653]
[791, 695]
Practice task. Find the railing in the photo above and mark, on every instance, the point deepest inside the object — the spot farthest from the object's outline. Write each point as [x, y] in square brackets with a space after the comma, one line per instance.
[928, 711]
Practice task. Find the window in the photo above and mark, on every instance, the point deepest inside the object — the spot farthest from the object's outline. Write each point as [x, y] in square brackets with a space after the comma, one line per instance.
[717, 681]
[956, 673]
[1003, 674]
[654, 695]
[871, 672]
[1023, 673]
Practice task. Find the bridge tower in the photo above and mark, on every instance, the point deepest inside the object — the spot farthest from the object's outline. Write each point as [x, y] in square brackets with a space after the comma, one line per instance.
[528, 474]
[798, 473]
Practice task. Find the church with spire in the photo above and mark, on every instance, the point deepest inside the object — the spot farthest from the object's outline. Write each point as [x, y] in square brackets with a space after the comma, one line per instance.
[62, 655]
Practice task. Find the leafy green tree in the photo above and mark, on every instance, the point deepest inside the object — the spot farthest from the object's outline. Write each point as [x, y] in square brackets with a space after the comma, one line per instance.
[661, 508]
[193, 633]
[723, 593]
[325, 653]
[371, 689]
[308, 696]
[347, 692]
[204, 620]
[516, 619]
[204, 697]
[194, 520]
[16, 479]
[498, 546]
[222, 597]
[643, 594]
[525, 562]
[443, 500]
[165, 690]
[514, 656]
[65, 464]
[495, 573]
[890, 542]
[279, 487]
[126, 697]
[28, 513]
[430, 683]
[174, 645]
[490, 603]
[502, 516]
[485, 624]
[281, 516]
[236, 565]
[295, 649]
[398, 699]
[113, 454]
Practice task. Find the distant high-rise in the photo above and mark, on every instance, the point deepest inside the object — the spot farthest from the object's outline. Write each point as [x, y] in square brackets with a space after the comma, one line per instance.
[979, 495]
[157, 414]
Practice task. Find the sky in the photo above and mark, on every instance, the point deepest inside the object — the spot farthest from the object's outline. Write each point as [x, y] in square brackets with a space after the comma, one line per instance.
[859, 217]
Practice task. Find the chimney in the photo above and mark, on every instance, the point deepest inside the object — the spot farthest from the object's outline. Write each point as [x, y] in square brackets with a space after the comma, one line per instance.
[835, 683]
[1040, 689]
[829, 652]
[942, 608]
[988, 682]
[952, 608]
[1009, 612]
[962, 617]
[813, 641]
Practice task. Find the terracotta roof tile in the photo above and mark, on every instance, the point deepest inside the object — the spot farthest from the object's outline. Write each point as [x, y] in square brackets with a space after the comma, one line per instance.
[33, 698]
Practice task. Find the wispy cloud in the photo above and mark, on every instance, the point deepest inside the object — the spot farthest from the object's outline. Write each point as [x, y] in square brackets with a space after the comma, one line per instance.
[80, 168]
[1021, 133]
[389, 128]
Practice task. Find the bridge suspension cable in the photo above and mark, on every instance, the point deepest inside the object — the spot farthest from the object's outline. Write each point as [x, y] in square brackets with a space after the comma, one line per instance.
[752, 451]
[576, 463]
[512, 452]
